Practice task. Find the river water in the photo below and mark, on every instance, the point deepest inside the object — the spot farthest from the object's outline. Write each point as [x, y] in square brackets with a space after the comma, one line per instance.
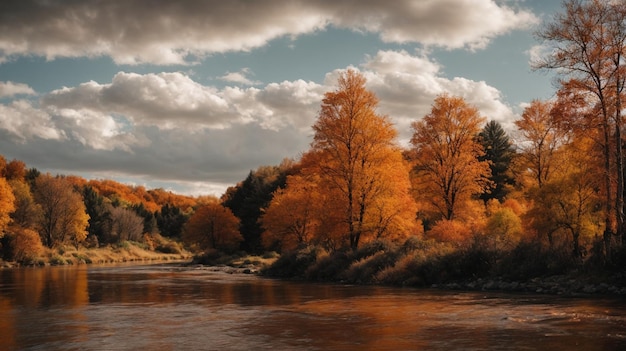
[167, 307]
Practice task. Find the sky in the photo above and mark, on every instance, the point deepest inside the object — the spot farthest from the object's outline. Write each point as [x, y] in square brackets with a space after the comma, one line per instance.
[189, 96]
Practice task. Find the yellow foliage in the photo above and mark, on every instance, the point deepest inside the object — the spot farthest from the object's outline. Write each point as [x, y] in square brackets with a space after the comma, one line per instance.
[25, 243]
[504, 229]
[451, 231]
[7, 205]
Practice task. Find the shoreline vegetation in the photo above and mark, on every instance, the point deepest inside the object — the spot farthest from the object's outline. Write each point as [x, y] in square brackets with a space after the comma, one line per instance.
[428, 264]
[124, 251]
[412, 265]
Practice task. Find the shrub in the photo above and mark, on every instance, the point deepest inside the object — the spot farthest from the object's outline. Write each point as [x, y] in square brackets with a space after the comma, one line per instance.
[57, 260]
[169, 247]
[531, 260]
[365, 269]
[24, 245]
[329, 267]
[294, 264]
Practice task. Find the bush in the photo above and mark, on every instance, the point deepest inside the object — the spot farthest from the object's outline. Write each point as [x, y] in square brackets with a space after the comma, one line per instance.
[365, 270]
[24, 245]
[170, 247]
[328, 267]
[294, 264]
[531, 260]
[57, 260]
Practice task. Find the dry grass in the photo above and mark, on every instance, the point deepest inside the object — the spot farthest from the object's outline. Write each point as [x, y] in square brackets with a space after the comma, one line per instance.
[123, 252]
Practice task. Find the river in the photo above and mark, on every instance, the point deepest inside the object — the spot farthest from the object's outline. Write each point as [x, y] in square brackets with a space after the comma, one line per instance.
[168, 307]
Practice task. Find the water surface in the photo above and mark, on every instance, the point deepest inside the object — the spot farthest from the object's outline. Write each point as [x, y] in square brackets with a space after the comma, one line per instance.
[166, 307]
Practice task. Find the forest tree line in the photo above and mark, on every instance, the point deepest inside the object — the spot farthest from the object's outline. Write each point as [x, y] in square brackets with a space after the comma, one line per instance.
[39, 211]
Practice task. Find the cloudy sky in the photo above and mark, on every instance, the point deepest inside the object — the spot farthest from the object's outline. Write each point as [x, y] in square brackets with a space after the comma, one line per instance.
[191, 95]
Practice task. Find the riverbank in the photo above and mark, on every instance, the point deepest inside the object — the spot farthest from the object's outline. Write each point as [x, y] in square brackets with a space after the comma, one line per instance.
[235, 263]
[433, 265]
[126, 251]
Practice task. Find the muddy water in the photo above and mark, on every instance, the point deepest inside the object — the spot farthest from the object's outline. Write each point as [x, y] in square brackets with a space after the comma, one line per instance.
[165, 307]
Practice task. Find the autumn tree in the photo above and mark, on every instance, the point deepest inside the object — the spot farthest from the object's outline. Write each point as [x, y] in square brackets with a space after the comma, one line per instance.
[503, 229]
[446, 155]
[588, 42]
[149, 220]
[7, 205]
[293, 216]
[542, 136]
[63, 211]
[15, 170]
[567, 206]
[24, 244]
[213, 226]
[27, 212]
[125, 224]
[499, 153]
[354, 151]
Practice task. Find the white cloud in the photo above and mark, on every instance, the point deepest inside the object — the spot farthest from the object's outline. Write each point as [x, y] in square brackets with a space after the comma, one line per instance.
[166, 100]
[450, 24]
[537, 53]
[9, 89]
[168, 127]
[175, 101]
[133, 32]
[24, 122]
[96, 130]
[407, 85]
[240, 77]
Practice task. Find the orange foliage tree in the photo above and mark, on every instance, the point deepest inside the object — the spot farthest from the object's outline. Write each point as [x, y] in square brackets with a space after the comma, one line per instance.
[24, 244]
[588, 42]
[7, 205]
[213, 226]
[543, 134]
[15, 170]
[355, 157]
[448, 173]
[569, 204]
[293, 216]
[63, 211]
[27, 212]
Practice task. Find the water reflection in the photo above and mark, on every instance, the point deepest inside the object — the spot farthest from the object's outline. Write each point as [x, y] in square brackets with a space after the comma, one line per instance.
[166, 307]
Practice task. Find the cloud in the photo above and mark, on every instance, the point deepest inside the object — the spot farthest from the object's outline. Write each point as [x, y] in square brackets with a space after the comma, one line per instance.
[538, 53]
[10, 89]
[175, 101]
[25, 122]
[170, 129]
[408, 84]
[450, 24]
[134, 32]
[240, 77]
[167, 100]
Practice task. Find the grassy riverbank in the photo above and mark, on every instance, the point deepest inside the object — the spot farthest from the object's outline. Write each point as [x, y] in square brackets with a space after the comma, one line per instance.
[528, 268]
[126, 251]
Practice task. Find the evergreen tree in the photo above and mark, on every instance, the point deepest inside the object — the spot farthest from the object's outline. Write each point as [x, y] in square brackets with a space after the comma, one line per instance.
[499, 152]
[170, 220]
[98, 211]
[248, 198]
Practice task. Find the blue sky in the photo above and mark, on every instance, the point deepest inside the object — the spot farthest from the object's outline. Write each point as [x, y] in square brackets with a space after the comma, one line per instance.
[191, 95]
